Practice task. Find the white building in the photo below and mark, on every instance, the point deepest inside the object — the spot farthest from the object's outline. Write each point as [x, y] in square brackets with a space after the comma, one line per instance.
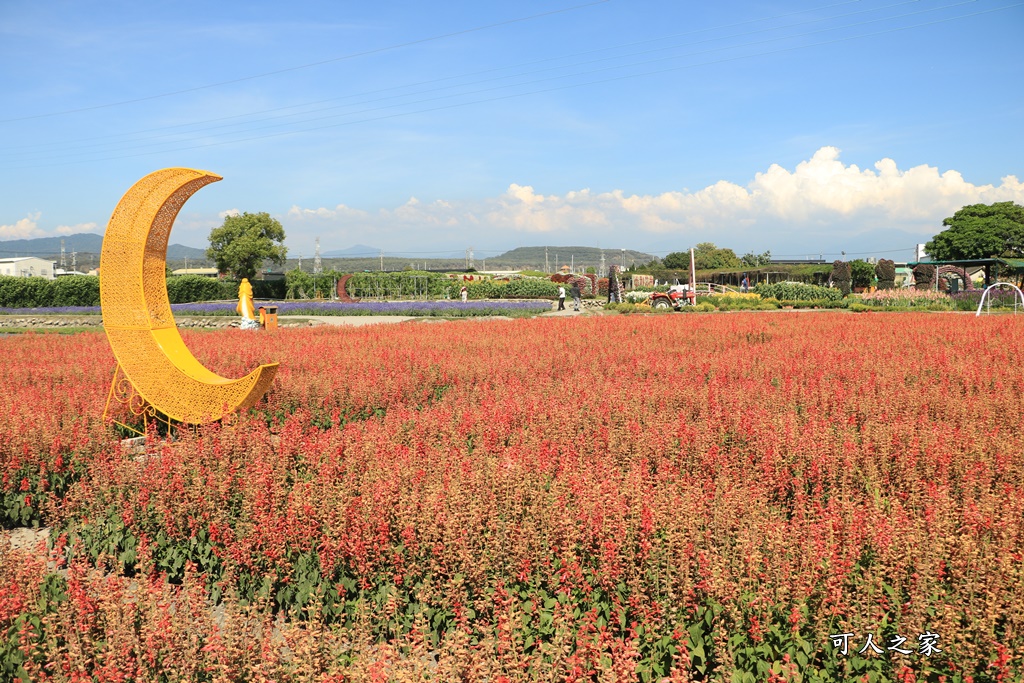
[205, 272]
[28, 266]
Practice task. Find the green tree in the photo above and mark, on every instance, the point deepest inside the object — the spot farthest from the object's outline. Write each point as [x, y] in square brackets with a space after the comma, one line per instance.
[245, 242]
[862, 273]
[980, 231]
[677, 260]
[298, 284]
[754, 260]
[706, 256]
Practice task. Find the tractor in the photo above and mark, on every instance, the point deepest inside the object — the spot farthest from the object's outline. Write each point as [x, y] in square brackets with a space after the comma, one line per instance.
[675, 298]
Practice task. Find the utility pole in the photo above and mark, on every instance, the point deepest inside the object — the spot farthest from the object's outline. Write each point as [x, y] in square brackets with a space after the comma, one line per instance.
[602, 272]
[63, 263]
[300, 261]
[622, 261]
[74, 260]
[316, 266]
[382, 260]
[572, 261]
[547, 268]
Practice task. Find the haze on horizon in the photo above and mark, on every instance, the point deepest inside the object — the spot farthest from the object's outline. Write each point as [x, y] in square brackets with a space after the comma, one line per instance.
[803, 127]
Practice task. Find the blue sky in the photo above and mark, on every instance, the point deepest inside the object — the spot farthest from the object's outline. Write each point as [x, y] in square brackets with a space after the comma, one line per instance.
[806, 128]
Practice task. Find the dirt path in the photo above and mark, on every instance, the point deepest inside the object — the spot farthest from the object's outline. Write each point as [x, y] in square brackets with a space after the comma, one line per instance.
[347, 320]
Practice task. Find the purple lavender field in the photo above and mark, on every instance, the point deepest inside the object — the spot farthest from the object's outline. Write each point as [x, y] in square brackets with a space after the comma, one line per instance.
[415, 308]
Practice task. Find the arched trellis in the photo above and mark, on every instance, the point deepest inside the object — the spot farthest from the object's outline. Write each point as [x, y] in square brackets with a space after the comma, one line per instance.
[947, 270]
[1018, 294]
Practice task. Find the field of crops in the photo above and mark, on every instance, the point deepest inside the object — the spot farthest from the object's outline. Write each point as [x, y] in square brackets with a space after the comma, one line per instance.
[734, 497]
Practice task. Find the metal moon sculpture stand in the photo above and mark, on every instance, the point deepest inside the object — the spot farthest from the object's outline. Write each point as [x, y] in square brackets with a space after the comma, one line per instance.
[157, 377]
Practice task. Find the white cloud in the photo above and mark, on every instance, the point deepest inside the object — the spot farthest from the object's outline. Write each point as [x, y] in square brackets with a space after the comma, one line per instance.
[339, 212]
[810, 202]
[22, 229]
[230, 212]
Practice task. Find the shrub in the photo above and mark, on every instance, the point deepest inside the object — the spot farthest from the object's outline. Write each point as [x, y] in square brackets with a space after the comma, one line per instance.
[924, 276]
[817, 303]
[644, 308]
[631, 308]
[75, 290]
[482, 289]
[24, 292]
[526, 288]
[796, 291]
[885, 271]
[725, 302]
[842, 276]
[272, 289]
[906, 298]
[38, 292]
[404, 284]
[184, 289]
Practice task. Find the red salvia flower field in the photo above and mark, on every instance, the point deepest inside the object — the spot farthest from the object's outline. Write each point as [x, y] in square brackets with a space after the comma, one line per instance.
[735, 497]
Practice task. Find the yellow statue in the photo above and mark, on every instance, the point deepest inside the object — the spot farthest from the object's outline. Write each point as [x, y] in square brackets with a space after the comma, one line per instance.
[244, 306]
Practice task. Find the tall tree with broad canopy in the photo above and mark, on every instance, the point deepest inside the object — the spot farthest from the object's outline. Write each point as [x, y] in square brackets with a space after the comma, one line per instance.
[754, 260]
[243, 243]
[980, 231]
[706, 256]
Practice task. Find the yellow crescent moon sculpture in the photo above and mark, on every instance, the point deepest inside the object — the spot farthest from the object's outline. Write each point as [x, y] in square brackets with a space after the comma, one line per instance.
[137, 316]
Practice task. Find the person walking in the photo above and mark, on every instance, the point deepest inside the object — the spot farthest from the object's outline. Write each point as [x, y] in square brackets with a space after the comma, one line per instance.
[576, 296]
[746, 283]
[561, 297]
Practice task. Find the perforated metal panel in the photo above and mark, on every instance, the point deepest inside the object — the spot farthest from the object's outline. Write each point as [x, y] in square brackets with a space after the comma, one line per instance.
[137, 312]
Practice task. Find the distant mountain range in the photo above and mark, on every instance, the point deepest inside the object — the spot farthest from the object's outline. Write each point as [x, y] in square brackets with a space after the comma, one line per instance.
[556, 257]
[84, 243]
[357, 251]
[361, 251]
[363, 257]
[357, 257]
